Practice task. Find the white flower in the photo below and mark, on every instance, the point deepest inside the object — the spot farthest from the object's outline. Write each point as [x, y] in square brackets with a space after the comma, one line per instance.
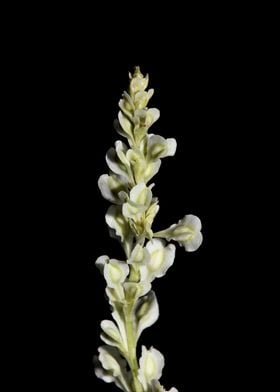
[143, 169]
[142, 98]
[113, 188]
[115, 273]
[159, 147]
[112, 336]
[139, 255]
[160, 260]
[151, 365]
[125, 127]
[112, 368]
[146, 117]
[139, 201]
[187, 232]
[126, 104]
[117, 161]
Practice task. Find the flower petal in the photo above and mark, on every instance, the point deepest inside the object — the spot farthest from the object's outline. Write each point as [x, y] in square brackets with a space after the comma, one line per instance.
[125, 124]
[139, 255]
[111, 186]
[194, 243]
[100, 263]
[151, 365]
[146, 312]
[161, 257]
[141, 194]
[113, 364]
[111, 334]
[115, 272]
[159, 147]
[116, 165]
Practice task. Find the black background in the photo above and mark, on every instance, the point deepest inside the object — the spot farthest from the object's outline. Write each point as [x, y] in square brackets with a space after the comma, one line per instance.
[203, 81]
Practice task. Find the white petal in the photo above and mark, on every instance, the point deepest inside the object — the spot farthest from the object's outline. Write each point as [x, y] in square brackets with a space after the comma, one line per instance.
[119, 129]
[158, 147]
[112, 186]
[141, 194]
[139, 255]
[194, 243]
[171, 147]
[115, 272]
[112, 362]
[192, 221]
[108, 357]
[101, 373]
[125, 123]
[146, 312]
[121, 150]
[115, 165]
[151, 365]
[116, 221]
[100, 263]
[111, 334]
[152, 169]
[118, 316]
[133, 210]
[161, 257]
[155, 113]
[157, 387]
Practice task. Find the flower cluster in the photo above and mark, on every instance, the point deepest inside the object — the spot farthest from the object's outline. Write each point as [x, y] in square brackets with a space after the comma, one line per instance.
[147, 254]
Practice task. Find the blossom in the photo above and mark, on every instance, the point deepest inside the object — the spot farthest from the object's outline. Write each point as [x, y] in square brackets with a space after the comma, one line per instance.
[187, 232]
[139, 200]
[151, 365]
[159, 147]
[110, 367]
[113, 187]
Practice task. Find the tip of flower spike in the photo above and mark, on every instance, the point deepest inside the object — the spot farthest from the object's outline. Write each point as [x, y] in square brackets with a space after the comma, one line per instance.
[137, 71]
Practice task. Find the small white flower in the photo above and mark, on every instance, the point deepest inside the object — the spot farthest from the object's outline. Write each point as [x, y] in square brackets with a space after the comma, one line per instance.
[111, 367]
[151, 365]
[187, 232]
[139, 200]
[100, 263]
[126, 125]
[161, 258]
[146, 117]
[143, 169]
[142, 98]
[115, 273]
[159, 147]
[111, 335]
[113, 188]
[126, 104]
[139, 255]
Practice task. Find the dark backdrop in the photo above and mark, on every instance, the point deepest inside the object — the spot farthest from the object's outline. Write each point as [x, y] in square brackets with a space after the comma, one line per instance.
[201, 89]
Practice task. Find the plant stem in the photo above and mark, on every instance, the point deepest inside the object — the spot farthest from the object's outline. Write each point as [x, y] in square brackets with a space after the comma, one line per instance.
[131, 342]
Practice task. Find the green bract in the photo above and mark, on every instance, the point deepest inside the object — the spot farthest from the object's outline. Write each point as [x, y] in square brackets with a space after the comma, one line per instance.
[147, 256]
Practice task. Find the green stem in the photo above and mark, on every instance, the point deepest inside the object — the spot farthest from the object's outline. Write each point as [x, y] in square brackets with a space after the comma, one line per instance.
[131, 342]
